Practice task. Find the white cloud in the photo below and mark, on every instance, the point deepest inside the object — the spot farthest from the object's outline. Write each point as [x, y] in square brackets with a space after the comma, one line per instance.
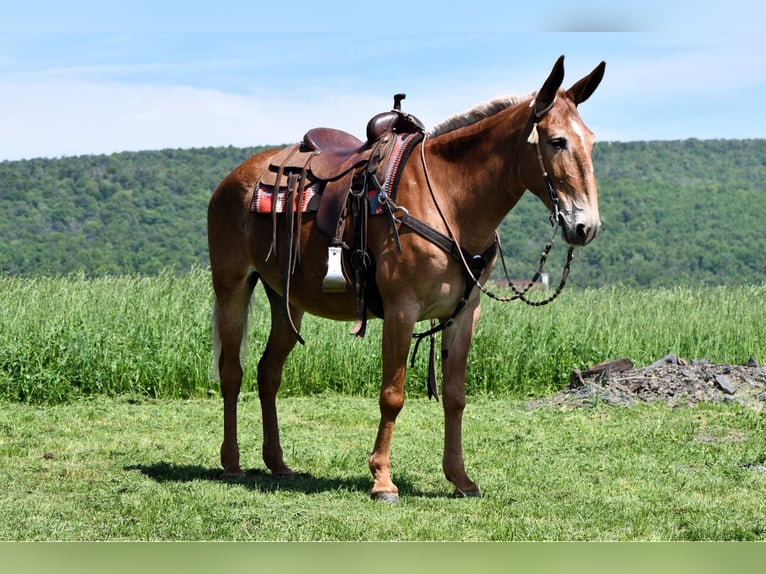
[56, 118]
[65, 118]
[656, 87]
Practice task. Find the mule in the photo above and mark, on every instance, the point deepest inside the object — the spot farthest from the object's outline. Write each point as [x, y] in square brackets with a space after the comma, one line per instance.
[471, 170]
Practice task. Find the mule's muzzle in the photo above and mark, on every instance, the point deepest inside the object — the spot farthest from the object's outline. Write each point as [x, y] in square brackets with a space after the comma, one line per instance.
[578, 233]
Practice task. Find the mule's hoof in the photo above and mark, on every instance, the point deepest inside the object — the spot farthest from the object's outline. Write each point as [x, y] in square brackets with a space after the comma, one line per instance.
[387, 497]
[473, 493]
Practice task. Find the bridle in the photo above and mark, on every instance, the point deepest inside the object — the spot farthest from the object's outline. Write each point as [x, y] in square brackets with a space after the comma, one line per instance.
[534, 138]
[518, 294]
[554, 219]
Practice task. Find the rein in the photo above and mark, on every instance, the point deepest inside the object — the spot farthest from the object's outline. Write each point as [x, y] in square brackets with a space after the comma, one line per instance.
[554, 219]
[478, 263]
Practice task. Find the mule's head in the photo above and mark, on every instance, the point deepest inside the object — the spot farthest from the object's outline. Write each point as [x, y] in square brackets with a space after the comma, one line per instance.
[559, 169]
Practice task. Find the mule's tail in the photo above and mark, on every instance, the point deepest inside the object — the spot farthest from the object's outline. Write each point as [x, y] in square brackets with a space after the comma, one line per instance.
[215, 368]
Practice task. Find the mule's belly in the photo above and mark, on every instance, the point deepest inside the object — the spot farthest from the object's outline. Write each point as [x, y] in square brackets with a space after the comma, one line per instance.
[428, 283]
[310, 297]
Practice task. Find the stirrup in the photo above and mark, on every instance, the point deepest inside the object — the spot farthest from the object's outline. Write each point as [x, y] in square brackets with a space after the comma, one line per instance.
[334, 281]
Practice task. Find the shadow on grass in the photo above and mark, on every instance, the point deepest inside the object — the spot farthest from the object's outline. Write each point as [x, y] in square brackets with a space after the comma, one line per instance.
[261, 480]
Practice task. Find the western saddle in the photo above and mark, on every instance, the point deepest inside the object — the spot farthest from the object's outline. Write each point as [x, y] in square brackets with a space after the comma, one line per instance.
[345, 167]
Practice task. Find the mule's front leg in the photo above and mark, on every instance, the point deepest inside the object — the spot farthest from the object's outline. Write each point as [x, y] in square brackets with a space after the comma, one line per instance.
[456, 342]
[397, 332]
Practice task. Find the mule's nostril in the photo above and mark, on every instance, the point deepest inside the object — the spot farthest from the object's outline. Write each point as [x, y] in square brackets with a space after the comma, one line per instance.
[581, 232]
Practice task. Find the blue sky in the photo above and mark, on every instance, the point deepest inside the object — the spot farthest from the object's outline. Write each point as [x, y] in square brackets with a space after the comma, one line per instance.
[91, 77]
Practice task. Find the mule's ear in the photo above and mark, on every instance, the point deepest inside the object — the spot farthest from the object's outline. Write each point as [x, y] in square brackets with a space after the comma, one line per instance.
[583, 89]
[547, 94]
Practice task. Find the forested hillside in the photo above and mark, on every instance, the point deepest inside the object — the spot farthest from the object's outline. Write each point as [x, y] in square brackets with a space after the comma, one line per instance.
[674, 213]
[122, 213]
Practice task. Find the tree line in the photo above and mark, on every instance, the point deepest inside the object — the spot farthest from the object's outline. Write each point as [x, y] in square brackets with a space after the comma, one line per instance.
[673, 213]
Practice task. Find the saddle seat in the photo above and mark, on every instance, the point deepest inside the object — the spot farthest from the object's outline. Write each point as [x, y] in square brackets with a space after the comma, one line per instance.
[330, 153]
[338, 151]
[335, 152]
[332, 156]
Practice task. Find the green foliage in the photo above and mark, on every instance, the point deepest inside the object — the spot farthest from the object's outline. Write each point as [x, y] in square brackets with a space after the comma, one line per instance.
[674, 213]
[123, 213]
[61, 338]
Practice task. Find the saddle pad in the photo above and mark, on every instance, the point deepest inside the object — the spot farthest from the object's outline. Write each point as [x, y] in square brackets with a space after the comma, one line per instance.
[263, 196]
[402, 147]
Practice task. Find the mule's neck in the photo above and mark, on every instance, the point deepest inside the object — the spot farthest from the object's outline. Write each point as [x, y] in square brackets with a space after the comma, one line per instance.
[475, 176]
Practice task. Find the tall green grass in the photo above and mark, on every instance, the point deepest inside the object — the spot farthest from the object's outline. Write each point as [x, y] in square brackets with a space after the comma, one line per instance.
[65, 337]
[528, 351]
[68, 336]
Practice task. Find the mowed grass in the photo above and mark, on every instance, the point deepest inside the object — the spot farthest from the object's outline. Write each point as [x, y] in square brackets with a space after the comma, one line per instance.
[117, 469]
[69, 337]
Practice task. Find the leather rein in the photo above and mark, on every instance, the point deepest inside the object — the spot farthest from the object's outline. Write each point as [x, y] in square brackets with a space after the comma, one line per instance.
[473, 278]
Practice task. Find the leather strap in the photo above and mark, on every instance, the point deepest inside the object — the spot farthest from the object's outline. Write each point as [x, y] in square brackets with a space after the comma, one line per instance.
[289, 267]
[273, 248]
[476, 266]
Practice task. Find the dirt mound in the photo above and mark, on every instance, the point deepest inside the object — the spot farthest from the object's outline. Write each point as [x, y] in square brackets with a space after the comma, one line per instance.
[671, 379]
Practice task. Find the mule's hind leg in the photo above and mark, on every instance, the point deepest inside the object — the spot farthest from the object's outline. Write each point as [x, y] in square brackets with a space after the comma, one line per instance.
[232, 299]
[281, 342]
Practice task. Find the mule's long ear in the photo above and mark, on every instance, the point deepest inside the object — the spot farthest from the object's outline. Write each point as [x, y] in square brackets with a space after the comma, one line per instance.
[583, 89]
[547, 94]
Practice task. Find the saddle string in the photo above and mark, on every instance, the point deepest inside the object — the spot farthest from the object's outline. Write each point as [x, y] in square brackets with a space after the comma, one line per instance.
[291, 221]
[280, 172]
[360, 259]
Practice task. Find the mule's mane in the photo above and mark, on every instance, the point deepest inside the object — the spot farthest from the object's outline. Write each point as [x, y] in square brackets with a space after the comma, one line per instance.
[476, 113]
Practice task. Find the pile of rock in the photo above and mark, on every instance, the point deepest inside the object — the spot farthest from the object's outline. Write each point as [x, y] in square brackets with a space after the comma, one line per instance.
[671, 379]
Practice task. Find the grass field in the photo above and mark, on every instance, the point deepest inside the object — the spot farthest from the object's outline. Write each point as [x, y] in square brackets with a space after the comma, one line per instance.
[116, 469]
[68, 337]
[110, 425]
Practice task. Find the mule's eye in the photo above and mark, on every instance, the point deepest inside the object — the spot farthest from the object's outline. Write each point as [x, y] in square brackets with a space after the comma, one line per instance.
[558, 143]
